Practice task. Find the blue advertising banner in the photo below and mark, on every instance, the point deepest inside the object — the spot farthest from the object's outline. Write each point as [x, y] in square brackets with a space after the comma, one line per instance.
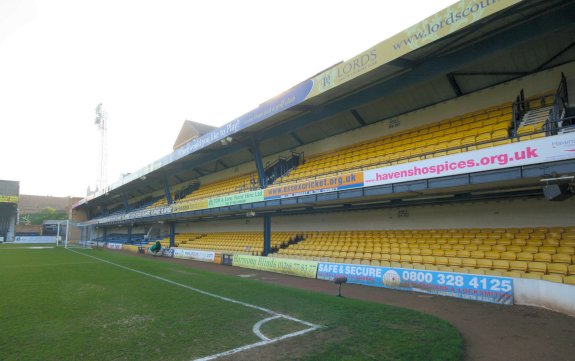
[468, 286]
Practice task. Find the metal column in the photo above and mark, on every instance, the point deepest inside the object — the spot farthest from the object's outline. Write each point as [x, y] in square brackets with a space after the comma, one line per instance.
[172, 234]
[259, 164]
[267, 233]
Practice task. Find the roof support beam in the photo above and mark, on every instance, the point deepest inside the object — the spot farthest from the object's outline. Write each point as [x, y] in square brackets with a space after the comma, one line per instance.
[493, 73]
[454, 85]
[550, 60]
[221, 162]
[296, 138]
[125, 201]
[167, 192]
[358, 118]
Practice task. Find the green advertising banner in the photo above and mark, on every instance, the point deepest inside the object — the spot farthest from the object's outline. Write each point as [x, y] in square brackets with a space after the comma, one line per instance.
[238, 198]
[293, 267]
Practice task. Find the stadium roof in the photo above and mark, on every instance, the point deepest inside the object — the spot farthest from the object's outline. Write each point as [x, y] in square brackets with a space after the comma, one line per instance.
[457, 51]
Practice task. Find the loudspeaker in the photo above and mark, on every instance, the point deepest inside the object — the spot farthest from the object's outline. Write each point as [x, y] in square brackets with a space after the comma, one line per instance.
[557, 192]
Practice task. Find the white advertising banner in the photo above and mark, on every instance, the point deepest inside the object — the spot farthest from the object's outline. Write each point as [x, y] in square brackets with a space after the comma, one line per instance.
[194, 254]
[548, 149]
[114, 246]
[35, 239]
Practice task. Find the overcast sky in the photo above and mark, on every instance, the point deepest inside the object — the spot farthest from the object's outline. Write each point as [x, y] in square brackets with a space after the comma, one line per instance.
[154, 64]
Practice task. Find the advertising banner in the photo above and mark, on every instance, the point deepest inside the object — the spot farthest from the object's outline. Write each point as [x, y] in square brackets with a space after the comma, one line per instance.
[35, 239]
[279, 265]
[472, 287]
[189, 206]
[540, 150]
[8, 199]
[130, 248]
[114, 245]
[320, 185]
[435, 27]
[238, 198]
[167, 252]
[193, 254]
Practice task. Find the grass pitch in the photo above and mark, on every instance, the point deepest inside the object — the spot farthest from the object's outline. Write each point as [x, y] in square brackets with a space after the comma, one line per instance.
[60, 305]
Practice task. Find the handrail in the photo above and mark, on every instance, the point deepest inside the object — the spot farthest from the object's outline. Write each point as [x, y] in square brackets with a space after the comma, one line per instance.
[558, 111]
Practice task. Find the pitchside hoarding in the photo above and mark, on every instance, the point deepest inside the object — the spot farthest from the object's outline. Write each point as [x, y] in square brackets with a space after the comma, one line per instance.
[472, 287]
[204, 256]
[293, 267]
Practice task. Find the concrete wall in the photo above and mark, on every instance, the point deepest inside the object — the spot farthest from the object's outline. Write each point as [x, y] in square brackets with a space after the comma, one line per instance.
[553, 296]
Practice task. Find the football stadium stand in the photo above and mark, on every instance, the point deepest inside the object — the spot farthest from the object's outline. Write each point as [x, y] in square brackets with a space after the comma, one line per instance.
[9, 197]
[449, 147]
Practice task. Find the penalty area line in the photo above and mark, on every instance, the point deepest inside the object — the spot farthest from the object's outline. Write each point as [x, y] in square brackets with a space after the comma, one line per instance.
[265, 340]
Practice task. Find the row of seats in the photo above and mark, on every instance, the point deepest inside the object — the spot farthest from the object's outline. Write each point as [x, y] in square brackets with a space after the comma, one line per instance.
[531, 252]
[238, 242]
[487, 127]
[482, 129]
[238, 184]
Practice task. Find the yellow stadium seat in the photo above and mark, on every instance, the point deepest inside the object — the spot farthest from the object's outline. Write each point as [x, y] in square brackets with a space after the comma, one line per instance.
[469, 262]
[557, 268]
[514, 274]
[476, 271]
[537, 267]
[477, 254]
[525, 256]
[492, 255]
[493, 272]
[532, 275]
[531, 249]
[569, 280]
[463, 253]
[454, 262]
[542, 257]
[441, 261]
[518, 266]
[566, 250]
[547, 249]
[553, 278]
[501, 264]
[484, 263]
[561, 258]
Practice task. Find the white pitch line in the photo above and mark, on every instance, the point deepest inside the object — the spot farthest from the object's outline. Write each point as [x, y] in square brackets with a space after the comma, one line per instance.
[257, 344]
[312, 327]
[258, 325]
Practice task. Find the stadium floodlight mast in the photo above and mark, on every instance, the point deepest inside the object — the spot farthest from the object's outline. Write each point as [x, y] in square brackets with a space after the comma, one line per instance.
[101, 123]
